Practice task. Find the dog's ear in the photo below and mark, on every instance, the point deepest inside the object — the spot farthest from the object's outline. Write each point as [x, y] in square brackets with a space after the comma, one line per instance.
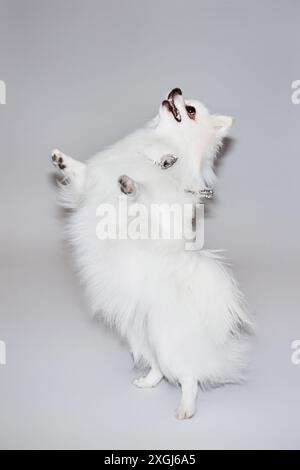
[127, 185]
[222, 124]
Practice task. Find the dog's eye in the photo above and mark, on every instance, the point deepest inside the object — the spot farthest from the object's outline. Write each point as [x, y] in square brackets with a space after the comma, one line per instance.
[191, 111]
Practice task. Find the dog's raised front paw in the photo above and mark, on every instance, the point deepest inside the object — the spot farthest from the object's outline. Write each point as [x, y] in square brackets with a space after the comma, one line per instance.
[58, 159]
[127, 185]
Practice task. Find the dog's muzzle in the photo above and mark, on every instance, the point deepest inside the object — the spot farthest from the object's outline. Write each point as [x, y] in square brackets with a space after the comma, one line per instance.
[170, 105]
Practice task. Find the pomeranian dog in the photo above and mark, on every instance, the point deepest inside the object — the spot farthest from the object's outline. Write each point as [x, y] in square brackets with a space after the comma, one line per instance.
[179, 310]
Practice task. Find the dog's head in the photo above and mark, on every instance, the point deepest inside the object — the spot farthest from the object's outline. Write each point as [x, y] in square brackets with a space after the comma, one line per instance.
[195, 132]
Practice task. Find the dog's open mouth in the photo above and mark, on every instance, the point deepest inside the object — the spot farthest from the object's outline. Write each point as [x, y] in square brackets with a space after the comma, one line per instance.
[170, 105]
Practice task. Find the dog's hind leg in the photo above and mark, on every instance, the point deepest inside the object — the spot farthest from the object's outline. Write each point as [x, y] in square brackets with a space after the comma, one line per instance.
[72, 170]
[152, 379]
[189, 391]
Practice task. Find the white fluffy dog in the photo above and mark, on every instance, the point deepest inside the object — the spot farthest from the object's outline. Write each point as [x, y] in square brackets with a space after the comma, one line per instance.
[179, 311]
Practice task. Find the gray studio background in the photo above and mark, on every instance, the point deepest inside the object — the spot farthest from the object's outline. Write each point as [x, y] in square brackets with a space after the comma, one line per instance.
[81, 74]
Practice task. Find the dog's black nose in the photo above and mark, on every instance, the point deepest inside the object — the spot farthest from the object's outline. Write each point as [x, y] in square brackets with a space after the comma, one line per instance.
[174, 92]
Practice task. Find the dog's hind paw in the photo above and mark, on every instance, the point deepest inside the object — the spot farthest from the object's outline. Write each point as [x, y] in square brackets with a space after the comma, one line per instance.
[184, 412]
[142, 382]
[153, 378]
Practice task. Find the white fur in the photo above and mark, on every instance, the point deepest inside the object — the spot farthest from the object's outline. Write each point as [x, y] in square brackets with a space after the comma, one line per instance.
[180, 312]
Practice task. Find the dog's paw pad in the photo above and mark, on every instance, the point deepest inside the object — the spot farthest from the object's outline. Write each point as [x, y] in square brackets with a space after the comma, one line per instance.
[127, 185]
[184, 412]
[58, 159]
